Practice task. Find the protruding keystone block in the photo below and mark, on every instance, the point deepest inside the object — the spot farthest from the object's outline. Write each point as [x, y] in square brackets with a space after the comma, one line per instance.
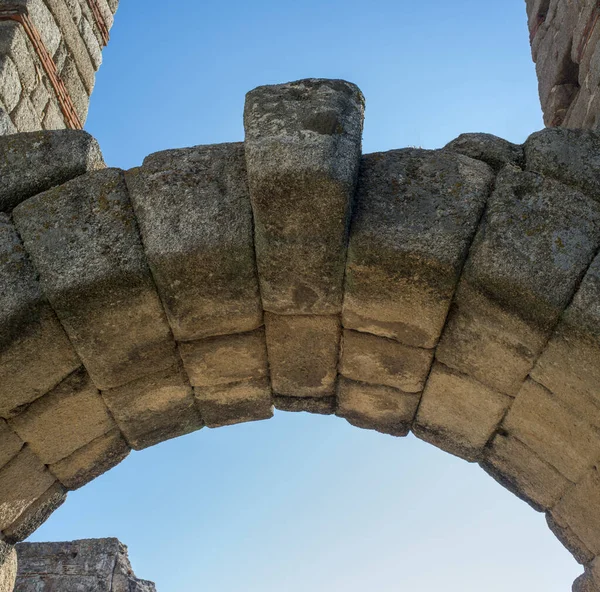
[377, 360]
[317, 405]
[373, 407]
[67, 418]
[154, 408]
[228, 404]
[579, 510]
[91, 461]
[491, 149]
[84, 241]
[35, 352]
[22, 481]
[570, 364]
[34, 162]
[36, 514]
[303, 145]
[303, 354]
[548, 428]
[534, 245]
[415, 215]
[523, 472]
[458, 414]
[194, 213]
[226, 359]
[566, 155]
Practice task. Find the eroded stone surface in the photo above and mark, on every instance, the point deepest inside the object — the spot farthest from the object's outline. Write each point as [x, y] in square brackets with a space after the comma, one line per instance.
[303, 142]
[194, 213]
[8, 568]
[491, 149]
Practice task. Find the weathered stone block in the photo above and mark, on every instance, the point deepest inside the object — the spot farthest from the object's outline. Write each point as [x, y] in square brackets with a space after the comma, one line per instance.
[303, 354]
[25, 117]
[579, 510]
[564, 533]
[569, 155]
[377, 360]
[458, 414]
[34, 162]
[67, 418]
[83, 239]
[570, 364]
[92, 460]
[523, 472]
[415, 215]
[303, 142]
[228, 404]
[22, 481]
[154, 408]
[317, 405]
[226, 359]
[8, 569]
[10, 443]
[14, 43]
[10, 85]
[491, 149]
[535, 243]
[36, 514]
[75, 87]
[35, 353]
[374, 407]
[194, 213]
[550, 430]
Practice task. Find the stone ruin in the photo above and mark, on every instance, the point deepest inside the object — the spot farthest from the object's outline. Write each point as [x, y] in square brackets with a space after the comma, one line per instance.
[454, 293]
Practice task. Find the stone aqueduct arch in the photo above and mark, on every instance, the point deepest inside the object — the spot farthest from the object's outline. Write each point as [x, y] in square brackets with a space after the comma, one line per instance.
[453, 292]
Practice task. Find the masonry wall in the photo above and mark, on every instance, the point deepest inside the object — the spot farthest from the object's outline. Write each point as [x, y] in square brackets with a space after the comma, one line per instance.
[564, 38]
[73, 32]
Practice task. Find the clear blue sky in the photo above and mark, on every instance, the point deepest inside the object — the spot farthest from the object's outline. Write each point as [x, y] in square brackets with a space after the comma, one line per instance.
[304, 502]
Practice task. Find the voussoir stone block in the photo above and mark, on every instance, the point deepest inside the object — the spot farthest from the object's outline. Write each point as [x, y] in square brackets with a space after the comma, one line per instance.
[569, 155]
[303, 143]
[36, 161]
[535, 243]
[495, 151]
[35, 352]
[227, 404]
[303, 354]
[415, 214]
[226, 359]
[523, 472]
[378, 360]
[458, 414]
[83, 240]
[374, 407]
[316, 405]
[550, 430]
[155, 408]
[195, 218]
[570, 364]
[564, 533]
[62, 421]
[10, 443]
[22, 481]
[92, 460]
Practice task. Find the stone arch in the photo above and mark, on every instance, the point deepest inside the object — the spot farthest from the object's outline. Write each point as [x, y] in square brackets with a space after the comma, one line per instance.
[449, 292]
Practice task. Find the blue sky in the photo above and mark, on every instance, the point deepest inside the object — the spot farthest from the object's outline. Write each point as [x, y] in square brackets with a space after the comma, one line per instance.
[306, 502]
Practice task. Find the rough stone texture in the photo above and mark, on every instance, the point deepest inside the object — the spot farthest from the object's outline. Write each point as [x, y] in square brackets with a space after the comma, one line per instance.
[550, 430]
[10, 443]
[317, 405]
[523, 472]
[89, 565]
[491, 149]
[303, 354]
[415, 215]
[535, 243]
[92, 460]
[458, 414]
[8, 567]
[570, 364]
[22, 481]
[35, 353]
[154, 408]
[66, 419]
[83, 239]
[227, 404]
[194, 213]
[226, 359]
[564, 533]
[382, 408]
[377, 360]
[303, 142]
